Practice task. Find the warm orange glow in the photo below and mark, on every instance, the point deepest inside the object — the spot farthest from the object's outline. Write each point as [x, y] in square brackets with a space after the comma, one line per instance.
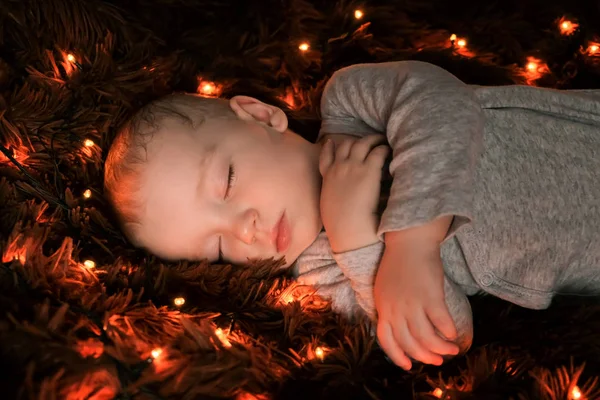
[304, 46]
[438, 393]
[460, 46]
[208, 88]
[89, 264]
[156, 353]
[87, 194]
[90, 348]
[576, 394]
[567, 27]
[89, 143]
[534, 69]
[593, 49]
[295, 292]
[69, 63]
[14, 252]
[287, 298]
[222, 337]
[358, 14]
[320, 353]
[289, 99]
[179, 301]
[20, 154]
[250, 396]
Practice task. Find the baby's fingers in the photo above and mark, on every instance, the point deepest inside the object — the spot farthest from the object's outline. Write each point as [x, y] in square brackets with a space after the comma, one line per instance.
[441, 320]
[390, 347]
[414, 343]
[423, 331]
[326, 157]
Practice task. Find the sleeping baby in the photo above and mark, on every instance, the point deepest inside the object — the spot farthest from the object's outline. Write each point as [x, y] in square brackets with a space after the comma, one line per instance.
[420, 191]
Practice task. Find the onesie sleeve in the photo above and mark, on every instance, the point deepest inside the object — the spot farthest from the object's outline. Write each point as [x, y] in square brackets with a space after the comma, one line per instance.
[317, 267]
[433, 124]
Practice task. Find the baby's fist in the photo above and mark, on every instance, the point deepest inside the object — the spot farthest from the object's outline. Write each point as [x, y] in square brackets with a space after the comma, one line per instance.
[351, 172]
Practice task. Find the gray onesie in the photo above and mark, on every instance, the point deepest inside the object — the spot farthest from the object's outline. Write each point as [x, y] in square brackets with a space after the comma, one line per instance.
[518, 167]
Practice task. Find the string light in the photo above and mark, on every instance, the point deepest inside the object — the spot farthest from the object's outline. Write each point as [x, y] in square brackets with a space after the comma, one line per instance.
[452, 38]
[87, 194]
[576, 393]
[179, 301]
[438, 393]
[70, 61]
[156, 353]
[207, 88]
[89, 143]
[222, 337]
[358, 14]
[304, 46]
[535, 68]
[320, 353]
[567, 27]
[461, 43]
[89, 264]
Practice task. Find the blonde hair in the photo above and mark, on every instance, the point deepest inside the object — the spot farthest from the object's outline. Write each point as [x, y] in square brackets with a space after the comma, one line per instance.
[128, 152]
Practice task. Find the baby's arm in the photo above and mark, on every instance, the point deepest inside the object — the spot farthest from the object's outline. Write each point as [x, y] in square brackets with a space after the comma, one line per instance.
[434, 125]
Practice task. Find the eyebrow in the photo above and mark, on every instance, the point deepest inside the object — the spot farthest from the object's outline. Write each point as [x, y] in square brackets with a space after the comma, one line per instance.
[205, 163]
[204, 167]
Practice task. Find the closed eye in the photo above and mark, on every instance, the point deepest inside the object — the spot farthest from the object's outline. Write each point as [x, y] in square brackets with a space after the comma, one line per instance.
[230, 180]
[230, 183]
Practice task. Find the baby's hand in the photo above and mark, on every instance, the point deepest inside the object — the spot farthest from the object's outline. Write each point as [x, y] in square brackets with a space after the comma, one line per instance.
[409, 296]
[351, 172]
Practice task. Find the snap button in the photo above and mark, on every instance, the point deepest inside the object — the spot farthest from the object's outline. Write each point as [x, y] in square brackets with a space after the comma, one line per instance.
[487, 279]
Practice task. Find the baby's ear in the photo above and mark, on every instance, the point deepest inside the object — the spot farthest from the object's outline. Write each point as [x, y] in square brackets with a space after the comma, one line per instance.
[250, 109]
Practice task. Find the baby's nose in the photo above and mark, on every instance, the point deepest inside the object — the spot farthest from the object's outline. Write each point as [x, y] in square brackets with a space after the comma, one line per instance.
[246, 229]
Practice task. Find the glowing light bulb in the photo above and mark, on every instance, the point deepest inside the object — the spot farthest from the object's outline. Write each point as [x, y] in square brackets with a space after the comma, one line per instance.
[576, 393]
[156, 353]
[453, 38]
[179, 301]
[222, 337]
[532, 66]
[567, 27]
[461, 43]
[320, 353]
[87, 194]
[71, 57]
[358, 14]
[88, 143]
[593, 49]
[438, 393]
[208, 88]
[304, 46]
[89, 264]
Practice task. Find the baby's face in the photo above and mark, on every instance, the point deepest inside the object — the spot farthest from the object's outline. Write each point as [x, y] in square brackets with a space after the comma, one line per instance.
[271, 208]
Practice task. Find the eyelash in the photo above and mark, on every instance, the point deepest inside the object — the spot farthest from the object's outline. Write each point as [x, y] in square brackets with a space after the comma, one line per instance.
[230, 181]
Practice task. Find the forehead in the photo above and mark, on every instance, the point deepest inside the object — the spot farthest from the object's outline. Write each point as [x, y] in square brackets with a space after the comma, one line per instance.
[177, 162]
